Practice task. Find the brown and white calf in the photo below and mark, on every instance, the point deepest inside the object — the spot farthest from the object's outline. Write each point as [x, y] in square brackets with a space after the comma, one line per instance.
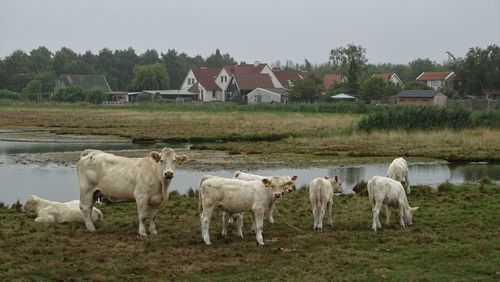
[288, 183]
[398, 170]
[321, 191]
[387, 191]
[236, 196]
[119, 179]
[54, 212]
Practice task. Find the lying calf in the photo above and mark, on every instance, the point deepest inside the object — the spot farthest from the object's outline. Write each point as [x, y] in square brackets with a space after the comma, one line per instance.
[55, 212]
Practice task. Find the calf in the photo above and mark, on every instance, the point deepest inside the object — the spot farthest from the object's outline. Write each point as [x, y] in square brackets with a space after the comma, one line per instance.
[236, 196]
[383, 190]
[321, 196]
[119, 179]
[398, 170]
[54, 212]
[287, 180]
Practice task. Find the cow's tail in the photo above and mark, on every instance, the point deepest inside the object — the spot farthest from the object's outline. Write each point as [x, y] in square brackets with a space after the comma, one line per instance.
[369, 187]
[200, 193]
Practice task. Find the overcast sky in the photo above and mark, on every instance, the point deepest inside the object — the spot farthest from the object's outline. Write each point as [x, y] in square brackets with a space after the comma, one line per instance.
[395, 31]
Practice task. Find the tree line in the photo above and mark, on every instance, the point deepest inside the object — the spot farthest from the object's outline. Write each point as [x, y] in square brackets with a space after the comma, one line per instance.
[33, 74]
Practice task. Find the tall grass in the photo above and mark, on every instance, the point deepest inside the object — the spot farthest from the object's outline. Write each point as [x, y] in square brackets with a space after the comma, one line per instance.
[427, 117]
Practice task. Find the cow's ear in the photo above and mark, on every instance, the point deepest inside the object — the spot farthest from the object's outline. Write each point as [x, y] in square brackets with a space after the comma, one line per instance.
[155, 156]
[326, 177]
[290, 183]
[294, 177]
[266, 182]
[181, 158]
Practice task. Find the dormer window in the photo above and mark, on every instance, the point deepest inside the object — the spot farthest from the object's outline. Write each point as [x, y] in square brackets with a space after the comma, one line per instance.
[223, 79]
[191, 81]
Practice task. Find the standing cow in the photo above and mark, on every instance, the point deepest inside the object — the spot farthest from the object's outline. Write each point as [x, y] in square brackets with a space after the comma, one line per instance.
[236, 196]
[287, 180]
[383, 190]
[119, 179]
[321, 193]
[398, 170]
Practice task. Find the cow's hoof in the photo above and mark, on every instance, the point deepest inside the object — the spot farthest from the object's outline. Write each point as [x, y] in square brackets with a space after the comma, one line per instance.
[208, 243]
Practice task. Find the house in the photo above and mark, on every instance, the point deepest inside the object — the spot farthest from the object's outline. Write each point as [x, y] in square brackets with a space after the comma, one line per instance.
[172, 95]
[205, 82]
[84, 81]
[330, 79]
[244, 83]
[389, 78]
[268, 95]
[421, 97]
[287, 78]
[437, 80]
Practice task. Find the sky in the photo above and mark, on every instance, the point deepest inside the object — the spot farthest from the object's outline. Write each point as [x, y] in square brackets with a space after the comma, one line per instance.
[392, 31]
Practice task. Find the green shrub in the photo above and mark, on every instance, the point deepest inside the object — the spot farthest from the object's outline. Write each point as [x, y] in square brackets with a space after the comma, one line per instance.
[95, 95]
[9, 95]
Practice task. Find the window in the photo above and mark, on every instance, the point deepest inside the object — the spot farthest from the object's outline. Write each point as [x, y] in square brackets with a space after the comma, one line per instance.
[191, 81]
[223, 79]
[213, 93]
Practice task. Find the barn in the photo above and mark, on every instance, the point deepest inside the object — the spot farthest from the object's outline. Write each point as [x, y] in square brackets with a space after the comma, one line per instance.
[422, 97]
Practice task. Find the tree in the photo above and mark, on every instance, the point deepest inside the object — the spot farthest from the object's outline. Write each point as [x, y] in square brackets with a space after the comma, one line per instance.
[373, 89]
[306, 90]
[351, 61]
[40, 59]
[124, 62]
[95, 95]
[149, 57]
[218, 60]
[33, 90]
[151, 77]
[65, 61]
[17, 69]
[177, 67]
[69, 94]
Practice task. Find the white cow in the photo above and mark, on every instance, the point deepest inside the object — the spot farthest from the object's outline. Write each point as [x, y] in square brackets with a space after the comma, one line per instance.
[383, 190]
[287, 180]
[398, 170]
[236, 196]
[54, 212]
[321, 193]
[119, 179]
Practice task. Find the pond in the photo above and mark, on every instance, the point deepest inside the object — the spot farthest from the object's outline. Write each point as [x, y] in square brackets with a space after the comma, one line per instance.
[59, 183]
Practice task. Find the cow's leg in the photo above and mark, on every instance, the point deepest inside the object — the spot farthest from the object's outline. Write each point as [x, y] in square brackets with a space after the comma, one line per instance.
[407, 185]
[45, 219]
[329, 208]
[225, 220]
[387, 215]
[321, 215]
[401, 215]
[271, 208]
[206, 215]
[152, 221]
[239, 224]
[259, 224]
[86, 206]
[142, 213]
[376, 211]
[253, 223]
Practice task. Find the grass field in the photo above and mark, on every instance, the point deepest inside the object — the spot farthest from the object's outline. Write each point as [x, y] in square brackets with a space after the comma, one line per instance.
[455, 236]
[286, 135]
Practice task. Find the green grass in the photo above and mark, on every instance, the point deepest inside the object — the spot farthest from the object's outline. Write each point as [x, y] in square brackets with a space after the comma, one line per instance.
[455, 236]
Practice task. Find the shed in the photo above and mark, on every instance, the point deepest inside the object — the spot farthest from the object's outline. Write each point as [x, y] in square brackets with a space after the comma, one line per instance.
[422, 97]
[343, 97]
[268, 95]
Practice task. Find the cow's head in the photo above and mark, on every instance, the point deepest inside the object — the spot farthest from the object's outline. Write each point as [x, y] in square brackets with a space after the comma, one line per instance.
[275, 184]
[408, 216]
[30, 205]
[166, 161]
[288, 183]
[336, 183]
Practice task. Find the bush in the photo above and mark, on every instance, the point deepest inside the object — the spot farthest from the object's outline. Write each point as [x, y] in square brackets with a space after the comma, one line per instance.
[69, 94]
[9, 95]
[95, 95]
[143, 97]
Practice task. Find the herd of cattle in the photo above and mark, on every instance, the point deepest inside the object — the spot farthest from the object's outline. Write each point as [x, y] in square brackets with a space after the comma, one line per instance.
[146, 181]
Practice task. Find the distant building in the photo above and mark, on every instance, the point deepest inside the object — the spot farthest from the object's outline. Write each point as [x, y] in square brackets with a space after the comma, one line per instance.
[84, 81]
[268, 95]
[172, 95]
[331, 79]
[287, 78]
[390, 78]
[422, 97]
[437, 80]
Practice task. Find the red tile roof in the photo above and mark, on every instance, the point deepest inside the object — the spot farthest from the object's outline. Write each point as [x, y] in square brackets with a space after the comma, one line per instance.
[206, 77]
[330, 79]
[245, 68]
[433, 76]
[250, 81]
[284, 76]
[384, 76]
